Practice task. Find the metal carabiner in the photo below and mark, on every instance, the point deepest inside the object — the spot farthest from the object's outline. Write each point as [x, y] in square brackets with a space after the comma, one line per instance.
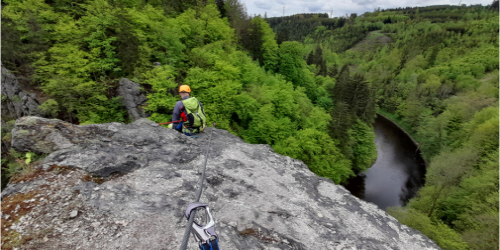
[204, 233]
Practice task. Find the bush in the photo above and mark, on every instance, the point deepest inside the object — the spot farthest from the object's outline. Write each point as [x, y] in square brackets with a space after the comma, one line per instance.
[319, 152]
[18, 164]
[437, 231]
[50, 108]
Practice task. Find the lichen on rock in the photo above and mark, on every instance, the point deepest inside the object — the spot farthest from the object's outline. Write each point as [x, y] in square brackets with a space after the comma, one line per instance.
[259, 199]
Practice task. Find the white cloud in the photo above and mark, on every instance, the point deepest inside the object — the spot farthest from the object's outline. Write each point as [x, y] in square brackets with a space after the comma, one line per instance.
[316, 7]
[265, 5]
[363, 2]
[275, 7]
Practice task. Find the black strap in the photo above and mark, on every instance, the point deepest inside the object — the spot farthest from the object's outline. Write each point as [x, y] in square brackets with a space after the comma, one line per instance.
[214, 245]
[201, 120]
[201, 107]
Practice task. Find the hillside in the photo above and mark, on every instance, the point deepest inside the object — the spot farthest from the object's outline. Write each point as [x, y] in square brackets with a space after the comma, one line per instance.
[250, 86]
[435, 73]
[306, 85]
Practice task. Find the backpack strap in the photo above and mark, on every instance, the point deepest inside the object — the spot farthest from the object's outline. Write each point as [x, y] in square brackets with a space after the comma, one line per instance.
[203, 123]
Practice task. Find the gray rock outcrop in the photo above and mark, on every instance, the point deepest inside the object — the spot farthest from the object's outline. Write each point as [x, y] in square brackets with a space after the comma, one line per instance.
[259, 199]
[132, 98]
[16, 103]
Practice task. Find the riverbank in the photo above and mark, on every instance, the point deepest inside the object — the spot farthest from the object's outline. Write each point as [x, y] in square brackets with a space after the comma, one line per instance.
[405, 130]
[398, 173]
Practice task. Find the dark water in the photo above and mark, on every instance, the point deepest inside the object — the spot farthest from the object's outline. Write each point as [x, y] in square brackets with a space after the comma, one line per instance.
[397, 174]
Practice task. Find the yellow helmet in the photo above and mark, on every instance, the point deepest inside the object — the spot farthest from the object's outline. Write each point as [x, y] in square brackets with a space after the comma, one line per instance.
[184, 88]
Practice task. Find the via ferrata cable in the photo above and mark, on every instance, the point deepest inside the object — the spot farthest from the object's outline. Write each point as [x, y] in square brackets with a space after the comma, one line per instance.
[198, 195]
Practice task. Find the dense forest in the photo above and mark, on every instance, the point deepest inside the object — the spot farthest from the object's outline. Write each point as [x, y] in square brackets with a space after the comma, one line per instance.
[308, 85]
[435, 73]
[250, 86]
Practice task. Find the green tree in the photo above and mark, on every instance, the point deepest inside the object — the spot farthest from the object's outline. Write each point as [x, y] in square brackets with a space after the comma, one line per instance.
[494, 5]
[444, 236]
[261, 43]
[364, 149]
[75, 69]
[319, 153]
[221, 7]
[339, 92]
[484, 234]
[203, 26]
[333, 71]
[339, 126]
[291, 64]
[162, 100]
[293, 67]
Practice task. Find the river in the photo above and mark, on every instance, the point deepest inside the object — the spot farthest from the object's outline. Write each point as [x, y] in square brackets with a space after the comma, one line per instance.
[397, 174]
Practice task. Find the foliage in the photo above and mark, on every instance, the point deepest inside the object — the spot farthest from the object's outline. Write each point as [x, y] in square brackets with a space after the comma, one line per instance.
[260, 41]
[50, 108]
[364, 150]
[19, 164]
[79, 54]
[433, 68]
[443, 235]
[6, 139]
[494, 5]
[321, 155]
[162, 99]
[436, 74]
[354, 109]
[293, 67]
[245, 99]
[435, 71]
[299, 26]
[29, 155]
[15, 164]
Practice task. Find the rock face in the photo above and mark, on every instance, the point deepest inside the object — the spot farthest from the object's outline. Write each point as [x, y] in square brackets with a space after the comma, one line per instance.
[16, 102]
[132, 98]
[259, 199]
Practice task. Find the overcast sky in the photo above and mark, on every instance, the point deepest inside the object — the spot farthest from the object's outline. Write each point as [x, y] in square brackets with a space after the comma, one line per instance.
[339, 8]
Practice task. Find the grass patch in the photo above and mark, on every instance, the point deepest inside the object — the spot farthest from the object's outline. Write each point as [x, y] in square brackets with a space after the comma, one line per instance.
[373, 35]
[371, 42]
[27, 172]
[6, 141]
[19, 166]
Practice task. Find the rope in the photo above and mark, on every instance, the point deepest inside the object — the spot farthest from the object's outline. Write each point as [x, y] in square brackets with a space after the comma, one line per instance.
[198, 195]
[169, 122]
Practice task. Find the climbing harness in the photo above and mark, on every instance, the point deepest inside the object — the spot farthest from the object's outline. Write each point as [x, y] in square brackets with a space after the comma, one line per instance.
[205, 234]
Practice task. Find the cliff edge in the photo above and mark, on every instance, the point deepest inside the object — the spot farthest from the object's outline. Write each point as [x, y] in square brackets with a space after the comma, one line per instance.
[117, 186]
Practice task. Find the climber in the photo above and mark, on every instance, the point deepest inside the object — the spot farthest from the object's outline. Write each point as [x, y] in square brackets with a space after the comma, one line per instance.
[189, 111]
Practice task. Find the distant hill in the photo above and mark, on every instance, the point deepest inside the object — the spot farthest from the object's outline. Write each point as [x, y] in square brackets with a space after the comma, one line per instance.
[435, 72]
[296, 27]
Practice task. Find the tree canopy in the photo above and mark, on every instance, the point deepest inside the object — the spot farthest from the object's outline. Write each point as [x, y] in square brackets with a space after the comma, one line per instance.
[250, 85]
[434, 70]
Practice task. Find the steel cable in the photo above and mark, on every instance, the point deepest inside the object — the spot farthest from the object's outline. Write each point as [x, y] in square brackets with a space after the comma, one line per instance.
[198, 195]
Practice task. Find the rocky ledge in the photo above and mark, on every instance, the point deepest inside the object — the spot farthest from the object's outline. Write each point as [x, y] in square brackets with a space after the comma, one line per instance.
[117, 186]
[15, 101]
[133, 98]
